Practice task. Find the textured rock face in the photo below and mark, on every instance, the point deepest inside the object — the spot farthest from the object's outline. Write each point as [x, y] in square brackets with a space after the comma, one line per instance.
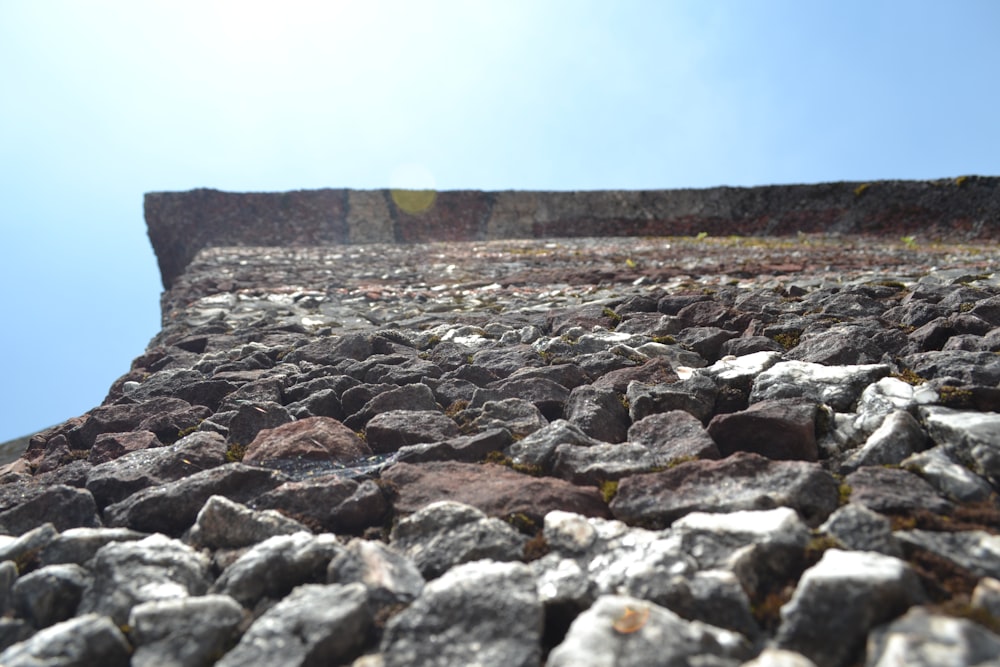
[596, 451]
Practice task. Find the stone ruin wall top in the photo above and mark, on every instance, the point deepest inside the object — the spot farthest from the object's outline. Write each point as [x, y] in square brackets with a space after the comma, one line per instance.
[182, 223]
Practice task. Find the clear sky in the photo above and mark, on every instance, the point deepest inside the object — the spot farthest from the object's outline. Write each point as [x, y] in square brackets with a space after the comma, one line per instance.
[103, 100]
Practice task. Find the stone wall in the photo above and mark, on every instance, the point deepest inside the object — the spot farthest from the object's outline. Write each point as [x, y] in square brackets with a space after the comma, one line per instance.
[181, 223]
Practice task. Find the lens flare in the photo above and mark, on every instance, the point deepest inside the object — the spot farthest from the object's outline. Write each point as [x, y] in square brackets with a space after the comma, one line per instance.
[412, 188]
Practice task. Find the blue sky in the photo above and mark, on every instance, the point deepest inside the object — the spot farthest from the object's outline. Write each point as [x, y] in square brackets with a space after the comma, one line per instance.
[103, 100]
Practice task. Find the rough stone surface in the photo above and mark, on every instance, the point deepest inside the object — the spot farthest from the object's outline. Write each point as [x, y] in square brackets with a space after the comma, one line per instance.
[284, 311]
[313, 438]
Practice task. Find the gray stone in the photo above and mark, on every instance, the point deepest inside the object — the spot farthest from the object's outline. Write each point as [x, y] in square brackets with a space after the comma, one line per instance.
[599, 413]
[390, 577]
[388, 431]
[695, 395]
[252, 418]
[951, 479]
[78, 545]
[894, 491]
[545, 394]
[225, 524]
[482, 613]
[275, 566]
[623, 631]
[840, 599]
[899, 436]
[974, 550]
[314, 625]
[740, 482]
[115, 480]
[673, 436]
[415, 396]
[89, 639]
[173, 507]
[50, 594]
[860, 529]
[517, 415]
[328, 503]
[25, 506]
[444, 534]
[25, 547]
[920, 638]
[974, 436]
[183, 632]
[328, 351]
[8, 575]
[862, 342]
[465, 448]
[981, 368]
[837, 386]
[128, 573]
[12, 631]
[776, 657]
[604, 462]
[539, 448]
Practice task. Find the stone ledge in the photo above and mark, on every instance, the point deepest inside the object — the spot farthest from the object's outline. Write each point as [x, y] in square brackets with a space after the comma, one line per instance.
[182, 223]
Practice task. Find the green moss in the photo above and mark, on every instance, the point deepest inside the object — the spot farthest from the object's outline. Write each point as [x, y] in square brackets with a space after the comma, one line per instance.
[609, 489]
[187, 431]
[522, 522]
[861, 189]
[235, 452]
[961, 180]
[787, 340]
[665, 340]
[909, 377]
[613, 316]
[955, 397]
[844, 493]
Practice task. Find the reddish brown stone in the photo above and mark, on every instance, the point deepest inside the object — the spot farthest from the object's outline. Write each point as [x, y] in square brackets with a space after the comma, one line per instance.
[783, 429]
[655, 371]
[110, 446]
[496, 490]
[313, 438]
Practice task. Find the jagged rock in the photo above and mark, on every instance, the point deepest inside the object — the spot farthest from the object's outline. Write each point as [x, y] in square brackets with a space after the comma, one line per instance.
[742, 481]
[757, 546]
[89, 639]
[747, 345]
[253, 418]
[783, 429]
[25, 505]
[115, 480]
[49, 594]
[390, 577]
[863, 342]
[975, 550]
[496, 490]
[923, 639]
[695, 395]
[110, 446]
[539, 448]
[313, 438]
[388, 431]
[171, 508]
[673, 435]
[415, 396]
[328, 351]
[328, 503]
[599, 413]
[183, 632]
[837, 386]
[26, 546]
[604, 462]
[126, 417]
[841, 598]
[519, 416]
[705, 341]
[78, 545]
[982, 368]
[464, 448]
[275, 566]
[860, 529]
[502, 362]
[948, 476]
[155, 568]
[889, 395]
[894, 491]
[313, 625]
[482, 613]
[566, 375]
[974, 436]
[623, 631]
[445, 534]
[546, 395]
[899, 436]
[224, 524]
[653, 372]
